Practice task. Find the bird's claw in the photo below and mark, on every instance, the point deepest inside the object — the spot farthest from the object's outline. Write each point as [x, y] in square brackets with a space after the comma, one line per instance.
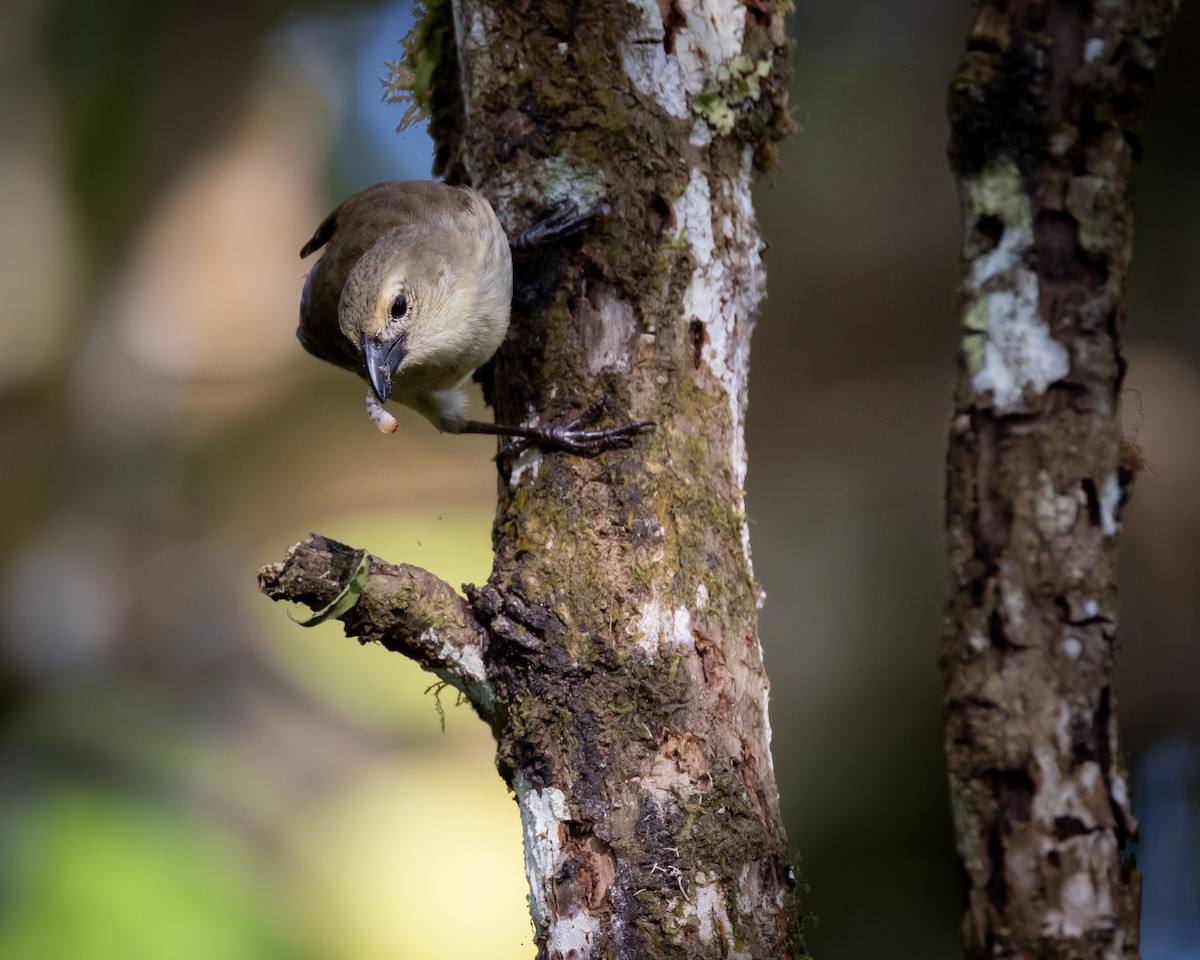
[571, 437]
[595, 441]
[563, 221]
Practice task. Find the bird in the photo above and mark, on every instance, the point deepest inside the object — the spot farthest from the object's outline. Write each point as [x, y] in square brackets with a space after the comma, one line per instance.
[413, 292]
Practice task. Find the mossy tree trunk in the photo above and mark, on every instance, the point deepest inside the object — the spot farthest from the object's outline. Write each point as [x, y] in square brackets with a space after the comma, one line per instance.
[614, 650]
[1046, 109]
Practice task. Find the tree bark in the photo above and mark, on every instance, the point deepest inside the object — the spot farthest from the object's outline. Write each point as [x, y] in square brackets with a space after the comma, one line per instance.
[1046, 109]
[614, 650]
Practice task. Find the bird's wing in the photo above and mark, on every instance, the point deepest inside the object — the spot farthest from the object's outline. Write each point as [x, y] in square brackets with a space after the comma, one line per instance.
[319, 332]
[323, 233]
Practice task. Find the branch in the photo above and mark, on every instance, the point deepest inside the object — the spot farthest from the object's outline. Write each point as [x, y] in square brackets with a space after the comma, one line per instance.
[404, 608]
[1046, 110]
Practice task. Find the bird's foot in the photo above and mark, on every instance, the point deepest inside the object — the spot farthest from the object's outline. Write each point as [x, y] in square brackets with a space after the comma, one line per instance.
[572, 437]
[563, 221]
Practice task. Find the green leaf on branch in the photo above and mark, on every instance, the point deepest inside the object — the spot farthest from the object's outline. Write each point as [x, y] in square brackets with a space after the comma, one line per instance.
[344, 602]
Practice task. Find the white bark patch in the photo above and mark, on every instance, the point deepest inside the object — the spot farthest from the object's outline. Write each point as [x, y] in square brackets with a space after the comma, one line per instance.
[1089, 773]
[693, 213]
[1084, 901]
[1054, 513]
[708, 39]
[607, 328]
[467, 659]
[726, 288]
[572, 936]
[645, 62]
[530, 460]
[768, 733]
[701, 45]
[1078, 893]
[1018, 354]
[657, 625]
[466, 670]
[1008, 255]
[701, 135]
[705, 906]
[1012, 596]
[1120, 792]
[1056, 797]
[1110, 500]
[543, 813]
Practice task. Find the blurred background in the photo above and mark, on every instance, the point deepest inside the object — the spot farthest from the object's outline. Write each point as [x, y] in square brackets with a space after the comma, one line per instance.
[186, 774]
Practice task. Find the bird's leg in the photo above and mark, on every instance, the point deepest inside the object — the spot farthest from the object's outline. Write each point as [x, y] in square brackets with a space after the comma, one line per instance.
[569, 437]
[563, 221]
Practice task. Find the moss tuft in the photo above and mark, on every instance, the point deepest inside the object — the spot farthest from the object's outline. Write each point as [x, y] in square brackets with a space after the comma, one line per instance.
[412, 80]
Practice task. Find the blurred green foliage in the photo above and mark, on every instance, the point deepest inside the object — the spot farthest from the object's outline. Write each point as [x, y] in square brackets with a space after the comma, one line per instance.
[97, 875]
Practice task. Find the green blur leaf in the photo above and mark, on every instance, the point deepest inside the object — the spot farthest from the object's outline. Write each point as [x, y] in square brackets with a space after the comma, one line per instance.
[92, 876]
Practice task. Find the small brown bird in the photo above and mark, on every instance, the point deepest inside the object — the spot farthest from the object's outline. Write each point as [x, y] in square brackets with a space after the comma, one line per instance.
[413, 292]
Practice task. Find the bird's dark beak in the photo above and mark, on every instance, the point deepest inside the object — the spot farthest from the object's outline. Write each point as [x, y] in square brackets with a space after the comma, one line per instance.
[382, 359]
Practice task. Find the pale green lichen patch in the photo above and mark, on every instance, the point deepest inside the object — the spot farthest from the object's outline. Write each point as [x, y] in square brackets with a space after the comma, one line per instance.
[975, 321]
[738, 81]
[997, 192]
[1091, 201]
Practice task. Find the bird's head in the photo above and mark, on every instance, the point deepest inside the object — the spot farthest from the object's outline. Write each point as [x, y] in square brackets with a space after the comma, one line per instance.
[398, 307]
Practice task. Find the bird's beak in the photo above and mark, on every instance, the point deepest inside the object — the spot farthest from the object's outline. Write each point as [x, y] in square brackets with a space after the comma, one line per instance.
[382, 359]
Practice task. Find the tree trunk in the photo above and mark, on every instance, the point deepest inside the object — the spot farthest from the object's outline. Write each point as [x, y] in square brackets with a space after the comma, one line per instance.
[614, 649]
[1046, 109]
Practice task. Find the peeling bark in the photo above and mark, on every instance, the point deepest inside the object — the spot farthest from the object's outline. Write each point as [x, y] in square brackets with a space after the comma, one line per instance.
[1046, 109]
[622, 672]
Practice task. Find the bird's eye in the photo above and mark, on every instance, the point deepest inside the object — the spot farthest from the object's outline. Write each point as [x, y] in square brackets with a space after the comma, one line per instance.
[399, 307]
